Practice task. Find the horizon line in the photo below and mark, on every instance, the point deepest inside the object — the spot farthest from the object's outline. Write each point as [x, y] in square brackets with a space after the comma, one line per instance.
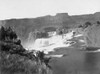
[1, 19]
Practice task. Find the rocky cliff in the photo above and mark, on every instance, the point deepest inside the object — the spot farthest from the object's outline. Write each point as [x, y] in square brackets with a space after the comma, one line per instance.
[92, 35]
[26, 25]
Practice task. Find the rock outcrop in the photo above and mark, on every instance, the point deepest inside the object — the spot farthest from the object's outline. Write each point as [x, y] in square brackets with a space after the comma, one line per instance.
[92, 35]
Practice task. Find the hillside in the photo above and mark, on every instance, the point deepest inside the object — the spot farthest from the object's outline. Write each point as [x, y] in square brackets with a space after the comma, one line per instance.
[92, 35]
[15, 59]
[26, 25]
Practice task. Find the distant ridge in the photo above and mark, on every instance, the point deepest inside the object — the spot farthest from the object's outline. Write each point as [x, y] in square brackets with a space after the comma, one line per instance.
[24, 26]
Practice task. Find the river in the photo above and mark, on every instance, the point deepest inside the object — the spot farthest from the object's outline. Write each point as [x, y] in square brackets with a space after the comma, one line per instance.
[77, 61]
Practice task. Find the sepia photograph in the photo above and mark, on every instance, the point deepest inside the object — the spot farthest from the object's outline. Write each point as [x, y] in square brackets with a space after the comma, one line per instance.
[49, 36]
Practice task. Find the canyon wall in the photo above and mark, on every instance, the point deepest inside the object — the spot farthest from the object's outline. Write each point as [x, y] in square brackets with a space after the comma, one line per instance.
[23, 27]
[92, 35]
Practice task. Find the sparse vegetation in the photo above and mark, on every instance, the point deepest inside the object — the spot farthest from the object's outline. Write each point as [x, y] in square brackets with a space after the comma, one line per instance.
[14, 59]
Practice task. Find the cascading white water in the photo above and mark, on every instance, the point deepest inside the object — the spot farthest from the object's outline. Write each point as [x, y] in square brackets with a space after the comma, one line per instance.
[49, 44]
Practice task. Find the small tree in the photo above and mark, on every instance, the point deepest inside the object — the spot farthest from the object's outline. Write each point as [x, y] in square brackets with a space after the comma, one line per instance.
[2, 33]
[98, 22]
[87, 24]
[80, 26]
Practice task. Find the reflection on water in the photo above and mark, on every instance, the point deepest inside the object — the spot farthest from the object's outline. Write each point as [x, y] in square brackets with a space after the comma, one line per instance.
[91, 60]
[77, 62]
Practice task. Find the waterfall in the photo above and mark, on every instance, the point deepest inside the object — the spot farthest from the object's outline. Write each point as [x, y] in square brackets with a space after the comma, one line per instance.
[49, 44]
[53, 42]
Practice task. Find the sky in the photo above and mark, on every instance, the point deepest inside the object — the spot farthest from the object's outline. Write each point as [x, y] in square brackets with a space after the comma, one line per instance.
[37, 8]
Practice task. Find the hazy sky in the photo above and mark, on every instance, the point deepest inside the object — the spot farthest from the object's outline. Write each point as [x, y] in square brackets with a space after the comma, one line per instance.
[35, 8]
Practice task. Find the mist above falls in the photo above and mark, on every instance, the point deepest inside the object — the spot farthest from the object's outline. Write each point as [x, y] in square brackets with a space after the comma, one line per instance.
[49, 44]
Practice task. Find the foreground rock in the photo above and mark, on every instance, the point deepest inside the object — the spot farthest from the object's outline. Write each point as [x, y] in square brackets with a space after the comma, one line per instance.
[14, 59]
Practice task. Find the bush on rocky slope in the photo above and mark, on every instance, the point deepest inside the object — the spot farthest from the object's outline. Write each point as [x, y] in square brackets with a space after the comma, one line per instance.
[14, 59]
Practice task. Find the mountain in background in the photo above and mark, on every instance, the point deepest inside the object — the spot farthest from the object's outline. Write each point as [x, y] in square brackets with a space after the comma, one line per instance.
[26, 25]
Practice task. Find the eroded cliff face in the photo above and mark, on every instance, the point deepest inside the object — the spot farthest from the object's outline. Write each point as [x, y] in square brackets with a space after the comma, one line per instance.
[24, 26]
[92, 35]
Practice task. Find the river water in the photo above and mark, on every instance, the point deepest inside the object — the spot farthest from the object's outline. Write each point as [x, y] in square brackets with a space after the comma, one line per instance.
[77, 61]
